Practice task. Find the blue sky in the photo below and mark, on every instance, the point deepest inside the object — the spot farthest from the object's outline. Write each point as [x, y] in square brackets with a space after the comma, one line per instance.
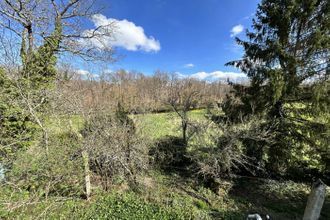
[185, 36]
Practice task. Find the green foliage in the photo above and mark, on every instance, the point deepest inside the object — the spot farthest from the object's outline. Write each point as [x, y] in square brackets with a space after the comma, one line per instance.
[27, 91]
[16, 128]
[20, 204]
[59, 171]
[39, 67]
[129, 206]
[287, 60]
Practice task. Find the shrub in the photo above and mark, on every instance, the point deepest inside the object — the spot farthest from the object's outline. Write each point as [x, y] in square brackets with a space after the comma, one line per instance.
[115, 150]
[56, 172]
[233, 148]
[16, 128]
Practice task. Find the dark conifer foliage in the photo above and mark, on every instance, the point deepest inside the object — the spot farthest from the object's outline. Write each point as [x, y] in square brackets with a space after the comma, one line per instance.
[287, 61]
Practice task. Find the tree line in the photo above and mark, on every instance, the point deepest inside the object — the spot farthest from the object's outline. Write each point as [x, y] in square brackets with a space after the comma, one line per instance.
[139, 93]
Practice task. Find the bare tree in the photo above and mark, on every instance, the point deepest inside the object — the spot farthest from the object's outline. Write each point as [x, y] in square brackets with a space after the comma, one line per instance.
[182, 98]
[37, 23]
[42, 30]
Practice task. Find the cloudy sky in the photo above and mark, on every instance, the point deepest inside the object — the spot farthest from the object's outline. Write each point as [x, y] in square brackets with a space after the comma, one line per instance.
[191, 37]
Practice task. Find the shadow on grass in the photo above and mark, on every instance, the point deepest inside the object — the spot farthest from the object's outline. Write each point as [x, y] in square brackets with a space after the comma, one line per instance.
[280, 200]
[170, 156]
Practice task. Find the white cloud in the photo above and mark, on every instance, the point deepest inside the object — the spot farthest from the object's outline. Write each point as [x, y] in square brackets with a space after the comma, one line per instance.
[121, 33]
[82, 72]
[236, 30]
[219, 75]
[189, 65]
[86, 74]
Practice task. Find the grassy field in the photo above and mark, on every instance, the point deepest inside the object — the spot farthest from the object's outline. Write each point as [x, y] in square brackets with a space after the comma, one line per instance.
[167, 196]
[161, 124]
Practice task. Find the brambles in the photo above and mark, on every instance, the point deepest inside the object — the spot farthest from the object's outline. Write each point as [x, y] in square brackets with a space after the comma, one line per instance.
[233, 149]
[115, 150]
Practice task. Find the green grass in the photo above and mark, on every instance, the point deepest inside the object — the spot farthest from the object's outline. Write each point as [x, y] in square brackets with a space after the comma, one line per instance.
[159, 125]
[160, 196]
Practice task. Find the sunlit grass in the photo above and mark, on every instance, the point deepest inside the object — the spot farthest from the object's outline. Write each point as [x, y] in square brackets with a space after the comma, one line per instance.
[157, 125]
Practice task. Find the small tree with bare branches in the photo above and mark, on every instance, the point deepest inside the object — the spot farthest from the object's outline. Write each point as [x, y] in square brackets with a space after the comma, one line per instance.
[182, 98]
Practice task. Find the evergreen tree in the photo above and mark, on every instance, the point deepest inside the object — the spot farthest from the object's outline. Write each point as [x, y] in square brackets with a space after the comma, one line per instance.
[287, 60]
[24, 98]
[16, 129]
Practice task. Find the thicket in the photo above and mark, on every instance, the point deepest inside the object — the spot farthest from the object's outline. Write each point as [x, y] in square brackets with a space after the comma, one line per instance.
[116, 152]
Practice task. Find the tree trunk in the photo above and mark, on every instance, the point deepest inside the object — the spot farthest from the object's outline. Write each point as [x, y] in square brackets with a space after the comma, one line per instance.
[184, 131]
[87, 174]
[30, 41]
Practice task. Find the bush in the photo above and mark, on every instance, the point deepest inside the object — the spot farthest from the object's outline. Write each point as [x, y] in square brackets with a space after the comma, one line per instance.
[115, 150]
[16, 128]
[232, 149]
[56, 172]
